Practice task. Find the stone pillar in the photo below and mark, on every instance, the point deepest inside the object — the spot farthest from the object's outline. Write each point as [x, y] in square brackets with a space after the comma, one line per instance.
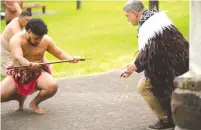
[186, 99]
[186, 103]
[195, 22]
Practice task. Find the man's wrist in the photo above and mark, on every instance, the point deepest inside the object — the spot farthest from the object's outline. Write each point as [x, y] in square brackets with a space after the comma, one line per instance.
[135, 67]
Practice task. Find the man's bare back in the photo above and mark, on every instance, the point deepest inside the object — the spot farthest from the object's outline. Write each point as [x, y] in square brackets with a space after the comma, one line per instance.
[11, 29]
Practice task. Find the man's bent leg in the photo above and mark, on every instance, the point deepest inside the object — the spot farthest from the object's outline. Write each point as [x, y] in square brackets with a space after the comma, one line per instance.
[8, 89]
[9, 92]
[48, 87]
[144, 88]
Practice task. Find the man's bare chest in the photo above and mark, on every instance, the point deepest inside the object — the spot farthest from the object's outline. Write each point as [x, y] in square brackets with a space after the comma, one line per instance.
[29, 51]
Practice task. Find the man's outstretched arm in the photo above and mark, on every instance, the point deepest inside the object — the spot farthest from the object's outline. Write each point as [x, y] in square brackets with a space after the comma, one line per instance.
[56, 51]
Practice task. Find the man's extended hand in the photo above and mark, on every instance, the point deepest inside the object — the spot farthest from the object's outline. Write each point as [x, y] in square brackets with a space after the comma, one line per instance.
[76, 59]
[128, 71]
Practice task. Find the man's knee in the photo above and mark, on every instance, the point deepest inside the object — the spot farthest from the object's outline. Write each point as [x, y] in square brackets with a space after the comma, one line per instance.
[8, 88]
[144, 86]
[141, 89]
[4, 97]
[141, 85]
[52, 87]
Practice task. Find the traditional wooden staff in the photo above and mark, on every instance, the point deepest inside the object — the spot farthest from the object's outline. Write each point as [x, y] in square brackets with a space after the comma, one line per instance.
[54, 62]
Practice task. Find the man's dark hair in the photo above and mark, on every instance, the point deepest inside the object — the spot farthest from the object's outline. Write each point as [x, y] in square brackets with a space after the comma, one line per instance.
[25, 13]
[37, 26]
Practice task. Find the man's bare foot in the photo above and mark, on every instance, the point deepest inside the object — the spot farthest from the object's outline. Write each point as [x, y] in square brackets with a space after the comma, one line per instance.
[36, 109]
[19, 109]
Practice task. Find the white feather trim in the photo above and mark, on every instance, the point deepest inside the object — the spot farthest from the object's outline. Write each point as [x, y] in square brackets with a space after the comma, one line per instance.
[154, 25]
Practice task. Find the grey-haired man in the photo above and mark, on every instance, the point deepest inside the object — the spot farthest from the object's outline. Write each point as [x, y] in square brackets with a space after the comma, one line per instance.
[163, 55]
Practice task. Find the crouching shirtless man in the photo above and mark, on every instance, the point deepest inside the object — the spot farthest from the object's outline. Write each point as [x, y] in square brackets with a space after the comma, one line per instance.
[28, 48]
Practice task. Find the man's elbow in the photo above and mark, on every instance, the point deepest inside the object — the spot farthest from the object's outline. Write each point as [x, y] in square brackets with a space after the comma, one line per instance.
[18, 59]
[59, 55]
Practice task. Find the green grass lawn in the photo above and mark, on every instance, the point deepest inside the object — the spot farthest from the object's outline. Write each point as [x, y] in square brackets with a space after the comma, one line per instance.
[100, 31]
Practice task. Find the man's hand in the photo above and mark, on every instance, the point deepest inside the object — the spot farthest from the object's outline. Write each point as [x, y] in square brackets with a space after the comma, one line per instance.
[33, 65]
[76, 59]
[125, 73]
[131, 67]
[128, 71]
